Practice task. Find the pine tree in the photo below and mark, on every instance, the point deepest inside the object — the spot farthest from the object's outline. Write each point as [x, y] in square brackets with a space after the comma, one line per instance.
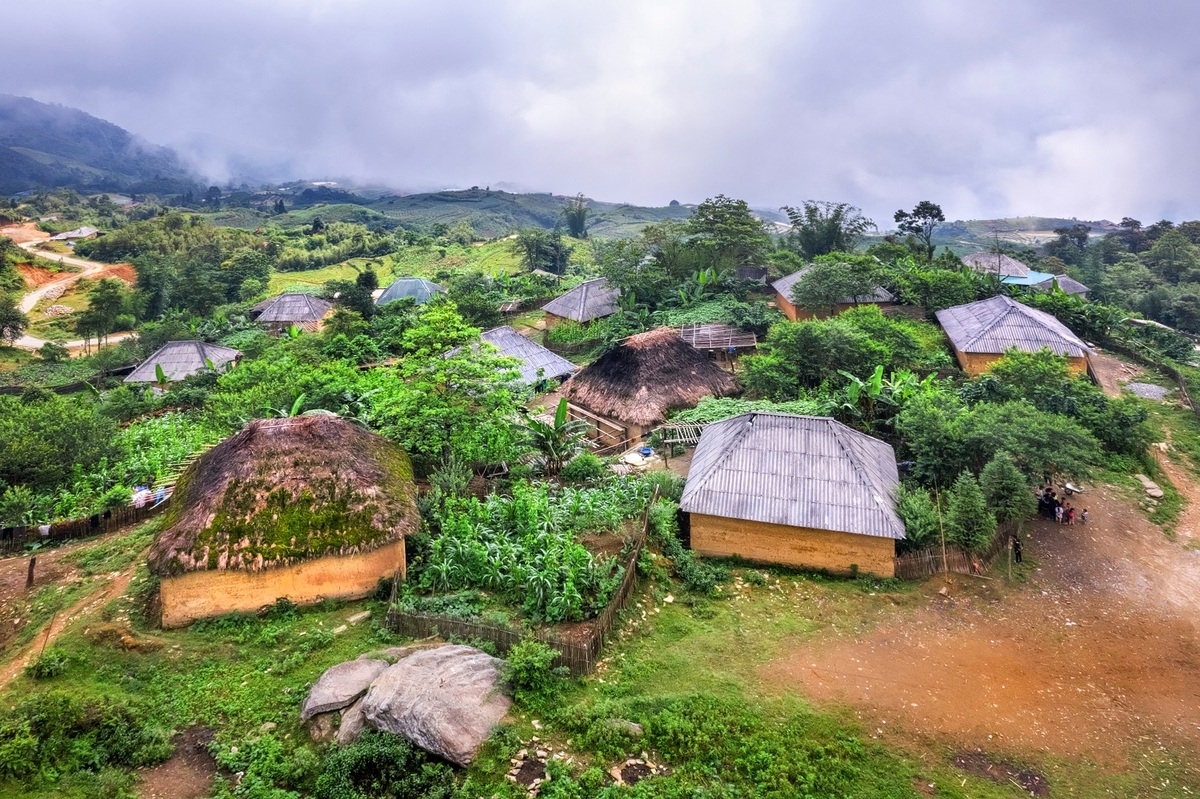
[1006, 490]
[969, 523]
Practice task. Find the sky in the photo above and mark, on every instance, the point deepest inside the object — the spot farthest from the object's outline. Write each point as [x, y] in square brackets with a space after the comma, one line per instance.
[1014, 107]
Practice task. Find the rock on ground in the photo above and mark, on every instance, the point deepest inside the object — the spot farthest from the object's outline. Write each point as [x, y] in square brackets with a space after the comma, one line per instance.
[445, 700]
[341, 685]
[353, 723]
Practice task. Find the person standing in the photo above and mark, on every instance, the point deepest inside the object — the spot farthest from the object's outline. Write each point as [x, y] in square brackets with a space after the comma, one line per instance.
[1083, 517]
[1058, 513]
[1017, 548]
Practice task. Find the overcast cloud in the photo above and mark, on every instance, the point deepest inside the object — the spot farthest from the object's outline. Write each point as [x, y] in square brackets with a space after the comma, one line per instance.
[1085, 109]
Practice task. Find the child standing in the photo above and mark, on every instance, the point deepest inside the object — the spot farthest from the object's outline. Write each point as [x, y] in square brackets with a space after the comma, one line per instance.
[1058, 513]
[1083, 517]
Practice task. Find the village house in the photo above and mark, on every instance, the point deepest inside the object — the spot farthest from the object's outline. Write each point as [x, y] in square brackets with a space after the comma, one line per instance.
[180, 359]
[418, 289]
[981, 332]
[629, 390]
[305, 508]
[783, 298]
[1014, 273]
[537, 364]
[590, 300]
[801, 491]
[304, 311]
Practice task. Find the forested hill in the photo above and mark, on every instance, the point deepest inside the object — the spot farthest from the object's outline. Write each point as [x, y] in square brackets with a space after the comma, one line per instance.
[493, 213]
[50, 146]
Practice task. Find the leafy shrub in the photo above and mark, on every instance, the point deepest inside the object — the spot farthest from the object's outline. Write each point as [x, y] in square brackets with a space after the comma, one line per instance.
[586, 467]
[664, 532]
[60, 731]
[268, 767]
[529, 670]
[383, 765]
[51, 663]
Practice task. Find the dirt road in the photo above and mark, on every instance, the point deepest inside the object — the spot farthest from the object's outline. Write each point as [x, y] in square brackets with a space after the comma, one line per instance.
[1096, 656]
[29, 238]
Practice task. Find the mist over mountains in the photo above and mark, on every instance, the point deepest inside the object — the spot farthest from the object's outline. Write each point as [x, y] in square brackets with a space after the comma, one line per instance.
[49, 146]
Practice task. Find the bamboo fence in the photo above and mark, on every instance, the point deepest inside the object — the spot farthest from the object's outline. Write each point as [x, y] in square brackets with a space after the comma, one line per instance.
[925, 562]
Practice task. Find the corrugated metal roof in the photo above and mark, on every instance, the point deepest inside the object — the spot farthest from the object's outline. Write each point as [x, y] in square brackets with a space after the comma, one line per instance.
[533, 356]
[1030, 278]
[179, 359]
[784, 287]
[995, 264]
[800, 471]
[418, 288]
[292, 308]
[998, 324]
[591, 299]
[1067, 283]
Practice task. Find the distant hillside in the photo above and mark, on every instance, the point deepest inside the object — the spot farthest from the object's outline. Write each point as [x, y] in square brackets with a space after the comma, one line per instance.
[496, 213]
[50, 146]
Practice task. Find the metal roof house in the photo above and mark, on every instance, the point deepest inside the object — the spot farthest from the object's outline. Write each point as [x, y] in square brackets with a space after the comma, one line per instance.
[802, 491]
[305, 311]
[416, 288]
[180, 359]
[84, 232]
[1014, 273]
[591, 299]
[981, 332]
[537, 362]
[783, 291]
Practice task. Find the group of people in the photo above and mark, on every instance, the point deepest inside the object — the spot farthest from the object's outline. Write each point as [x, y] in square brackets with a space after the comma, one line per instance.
[1053, 506]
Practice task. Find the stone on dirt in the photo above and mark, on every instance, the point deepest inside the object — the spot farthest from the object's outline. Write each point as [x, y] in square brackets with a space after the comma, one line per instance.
[445, 700]
[341, 685]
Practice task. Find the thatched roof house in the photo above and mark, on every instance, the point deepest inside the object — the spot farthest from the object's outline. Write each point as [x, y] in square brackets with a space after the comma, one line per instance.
[180, 359]
[783, 298]
[636, 384]
[799, 490]
[591, 299]
[418, 289]
[981, 332]
[307, 508]
[305, 311]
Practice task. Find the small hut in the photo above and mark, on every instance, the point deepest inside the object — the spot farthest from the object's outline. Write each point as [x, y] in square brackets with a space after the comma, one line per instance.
[590, 300]
[180, 359]
[630, 389]
[783, 298]
[305, 311]
[418, 289]
[307, 508]
[537, 364]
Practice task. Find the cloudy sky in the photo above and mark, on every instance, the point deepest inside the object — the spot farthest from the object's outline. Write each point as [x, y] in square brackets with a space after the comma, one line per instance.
[1073, 108]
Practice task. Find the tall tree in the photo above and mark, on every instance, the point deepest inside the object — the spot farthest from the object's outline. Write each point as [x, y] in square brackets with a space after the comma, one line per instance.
[920, 223]
[1006, 489]
[824, 227]
[828, 283]
[730, 232]
[542, 249]
[12, 322]
[575, 213]
[969, 523]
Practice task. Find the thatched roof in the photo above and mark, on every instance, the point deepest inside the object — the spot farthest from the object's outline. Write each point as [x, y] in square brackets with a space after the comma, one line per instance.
[645, 376]
[283, 491]
[180, 359]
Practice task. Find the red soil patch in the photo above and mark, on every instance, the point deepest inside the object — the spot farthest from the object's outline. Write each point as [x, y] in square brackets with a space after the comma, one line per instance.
[35, 276]
[188, 774]
[123, 272]
[23, 233]
[1097, 655]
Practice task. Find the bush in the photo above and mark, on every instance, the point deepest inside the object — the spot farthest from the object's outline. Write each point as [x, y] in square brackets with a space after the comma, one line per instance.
[529, 670]
[585, 467]
[383, 765]
[664, 532]
[51, 663]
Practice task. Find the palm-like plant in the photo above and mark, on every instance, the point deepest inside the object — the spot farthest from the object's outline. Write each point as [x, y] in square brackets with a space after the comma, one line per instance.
[559, 441]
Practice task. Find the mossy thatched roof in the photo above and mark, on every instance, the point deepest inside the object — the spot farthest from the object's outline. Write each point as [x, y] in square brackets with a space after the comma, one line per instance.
[645, 376]
[287, 490]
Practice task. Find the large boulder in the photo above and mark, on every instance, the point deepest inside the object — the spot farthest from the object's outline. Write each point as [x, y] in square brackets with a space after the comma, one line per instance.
[445, 700]
[341, 685]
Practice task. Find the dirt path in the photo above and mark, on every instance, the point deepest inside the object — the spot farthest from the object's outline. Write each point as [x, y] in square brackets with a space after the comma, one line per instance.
[29, 238]
[1112, 373]
[1096, 656]
[113, 588]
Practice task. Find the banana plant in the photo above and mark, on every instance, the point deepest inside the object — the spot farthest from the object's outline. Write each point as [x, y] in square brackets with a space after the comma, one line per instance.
[559, 441]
